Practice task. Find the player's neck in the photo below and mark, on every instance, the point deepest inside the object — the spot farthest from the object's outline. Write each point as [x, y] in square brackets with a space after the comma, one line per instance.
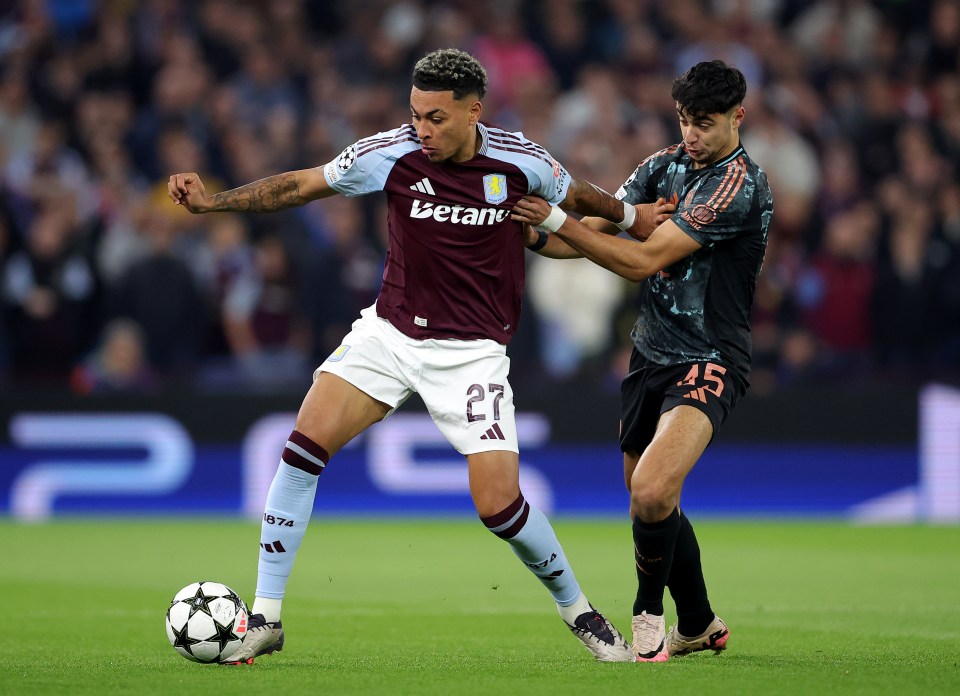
[468, 153]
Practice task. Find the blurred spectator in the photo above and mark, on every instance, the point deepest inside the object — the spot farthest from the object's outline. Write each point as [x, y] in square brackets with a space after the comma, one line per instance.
[574, 301]
[947, 251]
[844, 30]
[178, 94]
[221, 257]
[834, 293]
[114, 63]
[51, 173]
[19, 120]
[119, 364]
[344, 274]
[840, 184]
[177, 150]
[942, 54]
[264, 323]
[566, 39]
[907, 279]
[513, 62]
[790, 163]
[6, 249]
[592, 108]
[48, 293]
[713, 40]
[260, 91]
[159, 293]
[921, 165]
[876, 122]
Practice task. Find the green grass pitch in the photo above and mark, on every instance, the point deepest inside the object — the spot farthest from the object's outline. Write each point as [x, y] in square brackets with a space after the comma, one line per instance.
[443, 607]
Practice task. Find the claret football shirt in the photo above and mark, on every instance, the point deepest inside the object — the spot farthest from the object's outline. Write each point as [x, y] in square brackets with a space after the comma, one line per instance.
[455, 264]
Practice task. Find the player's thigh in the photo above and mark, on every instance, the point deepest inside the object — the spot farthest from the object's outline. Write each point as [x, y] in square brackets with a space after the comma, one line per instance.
[641, 402]
[376, 359]
[494, 480]
[335, 411]
[465, 388]
[695, 400]
[630, 461]
[682, 435]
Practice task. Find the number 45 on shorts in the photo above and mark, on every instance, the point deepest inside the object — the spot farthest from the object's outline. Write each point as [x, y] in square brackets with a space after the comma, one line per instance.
[703, 378]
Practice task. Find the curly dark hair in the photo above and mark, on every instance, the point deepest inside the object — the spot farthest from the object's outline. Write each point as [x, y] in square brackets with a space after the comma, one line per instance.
[450, 69]
[711, 87]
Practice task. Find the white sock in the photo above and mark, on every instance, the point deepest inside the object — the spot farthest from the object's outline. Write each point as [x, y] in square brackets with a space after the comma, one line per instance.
[570, 612]
[270, 608]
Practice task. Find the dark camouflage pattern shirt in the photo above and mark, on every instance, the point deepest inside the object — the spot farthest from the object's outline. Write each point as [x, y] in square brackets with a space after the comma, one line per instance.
[698, 309]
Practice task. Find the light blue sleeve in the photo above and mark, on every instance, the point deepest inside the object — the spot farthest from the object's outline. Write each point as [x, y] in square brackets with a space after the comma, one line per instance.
[364, 166]
[550, 182]
[545, 176]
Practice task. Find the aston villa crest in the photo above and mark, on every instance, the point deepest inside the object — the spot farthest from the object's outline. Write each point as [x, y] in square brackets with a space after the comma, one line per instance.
[495, 188]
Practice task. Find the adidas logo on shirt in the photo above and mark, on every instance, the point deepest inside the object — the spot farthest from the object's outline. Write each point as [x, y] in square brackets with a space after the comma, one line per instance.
[424, 186]
[493, 433]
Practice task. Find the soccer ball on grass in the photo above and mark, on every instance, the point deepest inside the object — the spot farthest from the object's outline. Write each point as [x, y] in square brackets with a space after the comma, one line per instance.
[206, 621]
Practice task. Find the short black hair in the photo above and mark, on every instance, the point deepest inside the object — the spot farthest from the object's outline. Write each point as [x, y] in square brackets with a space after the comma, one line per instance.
[450, 69]
[711, 87]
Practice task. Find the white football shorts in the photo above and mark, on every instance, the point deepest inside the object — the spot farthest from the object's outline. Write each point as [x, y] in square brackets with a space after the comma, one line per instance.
[463, 383]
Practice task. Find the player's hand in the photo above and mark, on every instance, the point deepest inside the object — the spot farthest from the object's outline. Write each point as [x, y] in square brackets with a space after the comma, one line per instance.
[531, 210]
[530, 236]
[187, 190]
[651, 215]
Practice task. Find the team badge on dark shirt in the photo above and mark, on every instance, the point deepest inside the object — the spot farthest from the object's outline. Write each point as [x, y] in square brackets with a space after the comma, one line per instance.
[495, 188]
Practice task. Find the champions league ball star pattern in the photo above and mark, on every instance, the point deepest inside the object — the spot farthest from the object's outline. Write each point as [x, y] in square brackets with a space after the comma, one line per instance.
[206, 621]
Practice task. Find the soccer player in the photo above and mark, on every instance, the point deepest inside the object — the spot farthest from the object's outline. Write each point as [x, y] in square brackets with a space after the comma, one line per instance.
[691, 354]
[448, 305]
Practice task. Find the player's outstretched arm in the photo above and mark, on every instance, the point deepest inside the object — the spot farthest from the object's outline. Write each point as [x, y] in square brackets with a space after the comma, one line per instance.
[625, 257]
[609, 215]
[549, 245]
[287, 190]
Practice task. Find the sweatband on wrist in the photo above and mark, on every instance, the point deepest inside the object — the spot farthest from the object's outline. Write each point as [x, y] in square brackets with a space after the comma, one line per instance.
[629, 217]
[554, 220]
[541, 241]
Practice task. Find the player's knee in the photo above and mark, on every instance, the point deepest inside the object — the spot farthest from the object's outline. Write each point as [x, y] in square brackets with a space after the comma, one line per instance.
[494, 503]
[650, 502]
[504, 518]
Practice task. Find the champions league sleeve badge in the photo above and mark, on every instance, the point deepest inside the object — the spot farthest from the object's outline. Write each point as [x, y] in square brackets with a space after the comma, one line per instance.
[347, 158]
[334, 169]
[495, 188]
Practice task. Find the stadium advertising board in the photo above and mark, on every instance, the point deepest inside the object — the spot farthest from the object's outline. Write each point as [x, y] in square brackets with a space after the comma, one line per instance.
[99, 460]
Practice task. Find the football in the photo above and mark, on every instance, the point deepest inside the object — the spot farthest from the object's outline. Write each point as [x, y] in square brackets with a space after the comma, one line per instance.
[206, 621]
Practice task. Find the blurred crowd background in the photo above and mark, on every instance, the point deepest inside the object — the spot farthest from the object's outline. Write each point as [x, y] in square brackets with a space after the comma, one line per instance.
[853, 110]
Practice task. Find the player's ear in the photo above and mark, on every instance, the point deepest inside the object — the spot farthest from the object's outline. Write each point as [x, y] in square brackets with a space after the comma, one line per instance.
[738, 115]
[475, 109]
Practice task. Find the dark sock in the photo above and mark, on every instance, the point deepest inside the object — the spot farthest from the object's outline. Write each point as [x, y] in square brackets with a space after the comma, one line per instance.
[686, 583]
[653, 544]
